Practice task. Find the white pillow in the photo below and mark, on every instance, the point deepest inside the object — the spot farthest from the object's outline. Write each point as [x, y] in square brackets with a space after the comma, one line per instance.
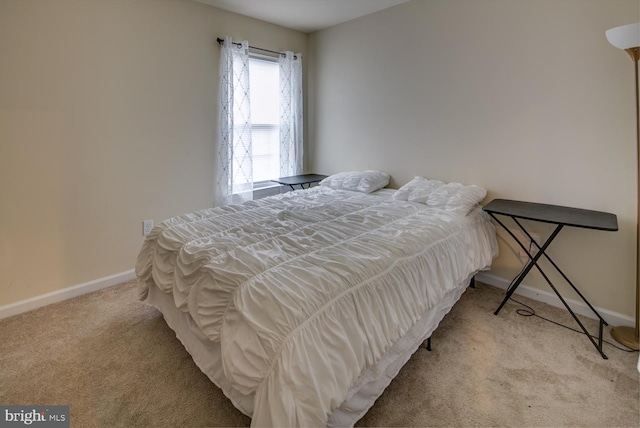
[436, 194]
[417, 189]
[357, 181]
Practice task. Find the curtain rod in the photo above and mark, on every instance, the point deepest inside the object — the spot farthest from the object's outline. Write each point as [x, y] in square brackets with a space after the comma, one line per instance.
[221, 41]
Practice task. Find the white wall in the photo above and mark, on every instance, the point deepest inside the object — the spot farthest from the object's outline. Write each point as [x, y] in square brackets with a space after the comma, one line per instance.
[107, 117]
[526, 98]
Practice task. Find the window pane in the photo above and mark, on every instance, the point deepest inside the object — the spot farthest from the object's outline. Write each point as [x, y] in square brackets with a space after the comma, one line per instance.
[266, 152]
[265, 91]
[265, 118]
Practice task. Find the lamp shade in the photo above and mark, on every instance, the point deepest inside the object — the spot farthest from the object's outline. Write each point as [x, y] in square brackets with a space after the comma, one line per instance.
[625, 36]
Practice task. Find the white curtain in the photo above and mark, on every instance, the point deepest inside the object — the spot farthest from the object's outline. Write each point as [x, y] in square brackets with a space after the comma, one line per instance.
[235, 180]
[290, 114]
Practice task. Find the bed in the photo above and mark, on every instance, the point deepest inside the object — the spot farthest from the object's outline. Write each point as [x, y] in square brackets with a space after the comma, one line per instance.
[302, 307]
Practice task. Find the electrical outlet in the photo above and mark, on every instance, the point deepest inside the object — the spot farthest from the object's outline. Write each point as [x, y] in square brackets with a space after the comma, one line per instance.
[147, 225]
[520, 236]
[536, 237]
[532, 248]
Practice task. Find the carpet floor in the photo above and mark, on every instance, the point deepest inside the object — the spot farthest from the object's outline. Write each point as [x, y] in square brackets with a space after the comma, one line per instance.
[115, 362]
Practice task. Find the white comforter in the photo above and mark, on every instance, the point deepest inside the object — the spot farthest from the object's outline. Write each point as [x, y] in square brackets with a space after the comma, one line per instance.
[305, 290]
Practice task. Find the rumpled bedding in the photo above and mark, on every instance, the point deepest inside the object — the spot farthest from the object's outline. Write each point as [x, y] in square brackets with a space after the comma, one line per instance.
[305, 290]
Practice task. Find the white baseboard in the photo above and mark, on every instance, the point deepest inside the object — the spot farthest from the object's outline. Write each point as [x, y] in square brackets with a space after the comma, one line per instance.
[64, 294]
[579, 307]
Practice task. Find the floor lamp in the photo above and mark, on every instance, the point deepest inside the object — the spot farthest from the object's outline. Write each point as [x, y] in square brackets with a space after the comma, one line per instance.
[627, 37]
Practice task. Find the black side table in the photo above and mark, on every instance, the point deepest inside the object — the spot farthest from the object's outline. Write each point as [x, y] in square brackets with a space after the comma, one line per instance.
[560, 216]
[300, 180]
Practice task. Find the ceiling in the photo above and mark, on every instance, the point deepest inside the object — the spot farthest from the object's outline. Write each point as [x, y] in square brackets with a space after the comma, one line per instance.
[303, 15]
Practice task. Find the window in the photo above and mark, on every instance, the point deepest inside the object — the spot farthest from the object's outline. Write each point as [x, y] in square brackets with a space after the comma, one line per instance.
[264, 86]
[260, 124]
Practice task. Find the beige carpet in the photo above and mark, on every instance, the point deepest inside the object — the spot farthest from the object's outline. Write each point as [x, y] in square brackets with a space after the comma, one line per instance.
[116, 363]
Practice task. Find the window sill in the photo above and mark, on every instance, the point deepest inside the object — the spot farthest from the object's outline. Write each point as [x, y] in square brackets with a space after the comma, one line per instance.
[263, 190]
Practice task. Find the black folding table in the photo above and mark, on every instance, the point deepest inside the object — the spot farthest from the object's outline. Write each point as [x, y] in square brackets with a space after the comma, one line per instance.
[559, 216]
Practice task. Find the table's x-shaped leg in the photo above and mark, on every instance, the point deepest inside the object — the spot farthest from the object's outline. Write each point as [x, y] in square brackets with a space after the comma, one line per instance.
[301, 186]
[533, 261]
